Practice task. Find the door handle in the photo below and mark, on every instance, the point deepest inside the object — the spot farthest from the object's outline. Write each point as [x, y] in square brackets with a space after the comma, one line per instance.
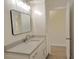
[67, 38]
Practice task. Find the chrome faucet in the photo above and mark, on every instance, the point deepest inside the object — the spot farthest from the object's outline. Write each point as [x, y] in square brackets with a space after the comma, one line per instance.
[27, 37]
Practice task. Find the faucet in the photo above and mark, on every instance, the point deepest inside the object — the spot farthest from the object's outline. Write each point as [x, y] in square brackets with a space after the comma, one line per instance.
[27, 37]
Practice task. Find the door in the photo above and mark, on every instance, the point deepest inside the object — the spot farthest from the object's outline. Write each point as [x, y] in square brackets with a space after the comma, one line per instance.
[68, 31]
[72, 30]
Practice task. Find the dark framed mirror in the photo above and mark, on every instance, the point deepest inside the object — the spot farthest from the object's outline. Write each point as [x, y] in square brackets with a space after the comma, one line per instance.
[21, 22]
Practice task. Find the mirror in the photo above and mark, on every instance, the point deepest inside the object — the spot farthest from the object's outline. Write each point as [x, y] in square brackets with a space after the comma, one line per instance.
[21, 22]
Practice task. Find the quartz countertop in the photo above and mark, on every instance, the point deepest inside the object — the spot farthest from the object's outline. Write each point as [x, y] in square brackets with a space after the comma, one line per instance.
[26, 47]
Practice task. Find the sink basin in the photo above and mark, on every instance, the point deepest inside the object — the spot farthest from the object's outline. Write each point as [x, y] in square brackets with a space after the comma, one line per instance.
[31, 40]
[34, 40]
[27, 47]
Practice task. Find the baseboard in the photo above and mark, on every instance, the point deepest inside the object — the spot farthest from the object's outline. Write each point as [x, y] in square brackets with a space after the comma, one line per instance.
[59, 45]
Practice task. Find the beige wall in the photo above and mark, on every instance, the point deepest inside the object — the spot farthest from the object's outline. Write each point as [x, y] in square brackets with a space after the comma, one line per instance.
[56, 27]
[50, 6]
[38, 21]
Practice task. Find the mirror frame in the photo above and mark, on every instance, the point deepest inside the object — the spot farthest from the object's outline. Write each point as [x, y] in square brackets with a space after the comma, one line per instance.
[12, 22]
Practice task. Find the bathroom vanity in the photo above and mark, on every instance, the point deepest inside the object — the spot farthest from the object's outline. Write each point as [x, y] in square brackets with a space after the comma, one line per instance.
[35, 48]
[25, 22]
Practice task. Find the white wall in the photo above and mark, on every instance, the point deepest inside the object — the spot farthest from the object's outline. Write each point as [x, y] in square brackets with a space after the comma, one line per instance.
[39, 20]
[9, 38]
[38, 25]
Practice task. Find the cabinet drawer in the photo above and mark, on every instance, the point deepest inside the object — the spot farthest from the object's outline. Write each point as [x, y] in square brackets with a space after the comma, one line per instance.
[43, 45]
[42, 50]
[15, 56]
[45, 52]
[34, 55]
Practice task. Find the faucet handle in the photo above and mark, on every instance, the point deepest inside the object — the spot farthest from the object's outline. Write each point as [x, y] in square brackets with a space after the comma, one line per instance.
[26, 38]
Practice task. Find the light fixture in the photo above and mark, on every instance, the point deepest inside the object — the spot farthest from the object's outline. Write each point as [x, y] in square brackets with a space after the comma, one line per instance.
[13, 1]
[23, 5]
[37, 12]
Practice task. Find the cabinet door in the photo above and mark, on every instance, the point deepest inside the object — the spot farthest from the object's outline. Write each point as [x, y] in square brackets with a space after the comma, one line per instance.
[34, 55]
[42, 50]
[41, 56]
[45, 52]
[15, 56]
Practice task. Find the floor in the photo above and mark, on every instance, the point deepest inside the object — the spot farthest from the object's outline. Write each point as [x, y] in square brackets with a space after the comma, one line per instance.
[57, 53]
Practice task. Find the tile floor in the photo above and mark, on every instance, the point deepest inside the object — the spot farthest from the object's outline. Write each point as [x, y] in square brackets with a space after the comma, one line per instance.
[57, 53]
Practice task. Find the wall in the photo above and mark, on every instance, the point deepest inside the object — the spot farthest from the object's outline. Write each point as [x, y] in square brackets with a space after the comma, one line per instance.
[38, 21]
[56, 27]
[51, 6]
[38, 17]
[9, 38]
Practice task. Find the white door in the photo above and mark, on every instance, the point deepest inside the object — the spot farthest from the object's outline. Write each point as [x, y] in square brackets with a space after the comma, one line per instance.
[68, 31]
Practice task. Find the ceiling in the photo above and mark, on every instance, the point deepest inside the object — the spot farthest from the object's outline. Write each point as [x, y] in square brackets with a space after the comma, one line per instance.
[52, 4]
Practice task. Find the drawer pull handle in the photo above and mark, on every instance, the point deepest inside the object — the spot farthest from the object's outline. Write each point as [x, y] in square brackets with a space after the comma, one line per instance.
[67, 38]
[35, 55]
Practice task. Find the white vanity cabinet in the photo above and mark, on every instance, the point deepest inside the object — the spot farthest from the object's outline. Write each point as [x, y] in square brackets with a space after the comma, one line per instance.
[15, 56]
[39, 52]
[35, 55]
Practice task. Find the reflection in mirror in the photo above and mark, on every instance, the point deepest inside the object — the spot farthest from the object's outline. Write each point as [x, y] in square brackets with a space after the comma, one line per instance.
[21, 22]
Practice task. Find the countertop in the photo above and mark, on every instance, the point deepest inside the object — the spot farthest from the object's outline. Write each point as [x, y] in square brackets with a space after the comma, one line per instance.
[26, 47]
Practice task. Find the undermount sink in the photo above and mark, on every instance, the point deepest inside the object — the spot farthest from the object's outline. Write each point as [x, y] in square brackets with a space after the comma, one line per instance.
[26, 47]
[34, 40]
